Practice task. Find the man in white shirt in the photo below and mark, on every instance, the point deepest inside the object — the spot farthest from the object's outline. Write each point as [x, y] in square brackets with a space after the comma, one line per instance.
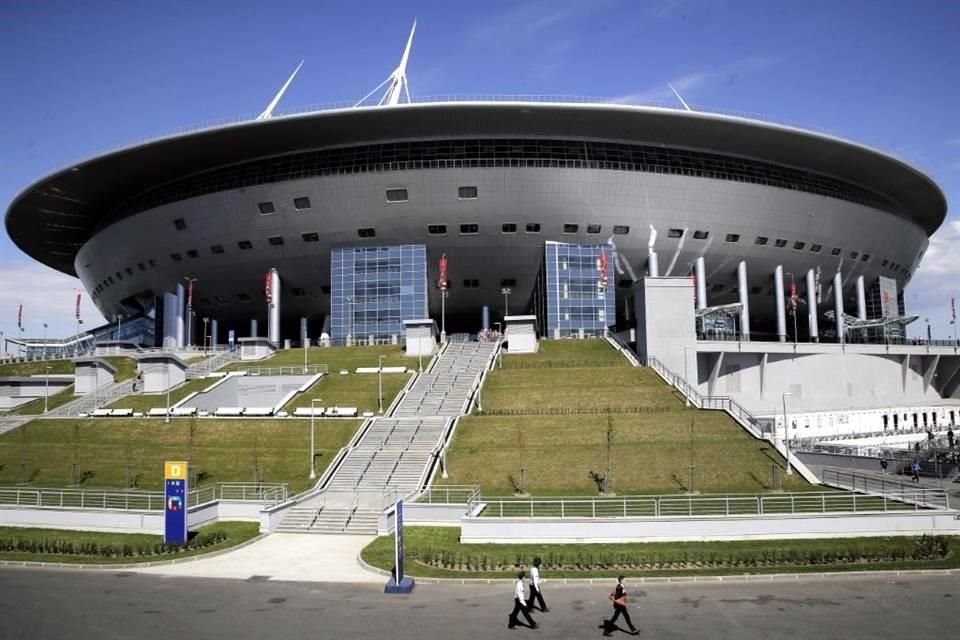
[535, 586]
[519, 604]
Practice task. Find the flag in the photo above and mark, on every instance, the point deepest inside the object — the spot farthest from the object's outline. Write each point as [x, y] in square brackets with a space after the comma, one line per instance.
[20, 318]
[953, 310]
[794, 298]
[443, 272]
[190, 294]
[603, 269]
[78, 305]
[266, 288]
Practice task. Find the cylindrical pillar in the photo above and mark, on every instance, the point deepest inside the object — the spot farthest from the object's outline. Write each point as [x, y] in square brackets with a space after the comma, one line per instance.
[169, 321]
[812, 306]
[253, 327]
[781, 305]
[485, 318]
[744, 292]
[213, 333]
[273, 312]
[652, 266]
[700, 272]
[303, 331]
[838, 304]
[861, 299]
[181, 308]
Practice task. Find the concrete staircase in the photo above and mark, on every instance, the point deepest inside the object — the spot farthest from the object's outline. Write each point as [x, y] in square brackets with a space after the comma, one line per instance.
[395, 452]
[213, 363]
[87, 403]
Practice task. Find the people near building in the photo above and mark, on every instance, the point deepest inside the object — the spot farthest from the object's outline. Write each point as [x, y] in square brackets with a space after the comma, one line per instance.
[915, 469]
[535, 592]
[619, 599]
[883, 464]
[950, 437]
[520, 604]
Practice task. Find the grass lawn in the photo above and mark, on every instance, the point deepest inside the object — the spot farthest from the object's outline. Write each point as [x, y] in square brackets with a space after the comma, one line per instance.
[236, 532]
[336, 358]
[126, 367]
[358, 390]
[147, 401]
[222, 451]
[567, 354]
[424, 547]
[36, 368]
[35, 407]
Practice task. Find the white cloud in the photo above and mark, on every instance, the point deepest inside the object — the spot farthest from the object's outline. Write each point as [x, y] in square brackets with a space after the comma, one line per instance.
[47, 296]
[691, 82]
[955, 141]
[936, 280]
[530, 17]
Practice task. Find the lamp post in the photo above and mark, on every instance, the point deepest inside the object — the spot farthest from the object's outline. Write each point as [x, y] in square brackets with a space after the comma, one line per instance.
[190, 281]
[786, 433]
[506, 291]
[206, 320]
[380, 384]
[927, 320]
[686, 380]
[350, 326]
[46, 388]
[313, 411]
[44, 340]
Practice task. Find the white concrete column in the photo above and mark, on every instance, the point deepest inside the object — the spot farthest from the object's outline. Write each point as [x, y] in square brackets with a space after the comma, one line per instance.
[169, 320]
[213, 333]
[181, 308]
[653, 267]
[861, 299]
[253, 327]
[812, 306]
[700, 272]
[781, 304]
[744, 292]
[303, 331]
[838, 305]
[273, 313]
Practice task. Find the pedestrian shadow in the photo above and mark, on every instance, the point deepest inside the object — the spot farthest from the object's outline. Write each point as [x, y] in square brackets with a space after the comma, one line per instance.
[609, 628]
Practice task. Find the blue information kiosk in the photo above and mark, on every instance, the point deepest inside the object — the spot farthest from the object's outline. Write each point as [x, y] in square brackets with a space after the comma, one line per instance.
[398, 582]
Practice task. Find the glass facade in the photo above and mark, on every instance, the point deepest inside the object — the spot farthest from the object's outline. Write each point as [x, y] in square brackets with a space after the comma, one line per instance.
[570, 294]
[374, 289]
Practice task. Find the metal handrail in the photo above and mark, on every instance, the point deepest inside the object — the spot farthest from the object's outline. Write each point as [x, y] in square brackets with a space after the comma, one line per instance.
[137, 500]
[285, 370]
[918, 495]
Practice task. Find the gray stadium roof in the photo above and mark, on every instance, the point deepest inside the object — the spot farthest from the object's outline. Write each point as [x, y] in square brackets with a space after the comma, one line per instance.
[52, 218]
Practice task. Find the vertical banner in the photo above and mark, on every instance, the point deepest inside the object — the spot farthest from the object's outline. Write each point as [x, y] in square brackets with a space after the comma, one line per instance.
[398, 539]
[266, 288]
[190, 294]
[231, 339]
[603, 270]
[794, 298]
[443, 272]
[78, 305]
[175, 503]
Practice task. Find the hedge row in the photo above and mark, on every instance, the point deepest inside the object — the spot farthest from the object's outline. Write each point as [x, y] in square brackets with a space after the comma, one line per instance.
[562, 411]
[562, 364]
[55, 546]
[924, 548]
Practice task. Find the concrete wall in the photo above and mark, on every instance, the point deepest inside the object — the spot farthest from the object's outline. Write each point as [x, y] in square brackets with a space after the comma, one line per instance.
[529, 530]
[247, 391]
[90, 377]
[159, 375]
[665, 322]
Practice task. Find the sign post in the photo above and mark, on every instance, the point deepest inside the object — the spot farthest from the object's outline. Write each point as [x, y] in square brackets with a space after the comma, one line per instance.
[399, 583]
[175, 502]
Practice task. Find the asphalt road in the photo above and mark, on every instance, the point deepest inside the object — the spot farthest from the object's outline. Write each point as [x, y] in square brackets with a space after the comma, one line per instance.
[80, 605]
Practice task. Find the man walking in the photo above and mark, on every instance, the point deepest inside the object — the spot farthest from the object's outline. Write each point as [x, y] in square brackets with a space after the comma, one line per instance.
[519, 604]
[915, 468]
[535, 586]
[619, 599]
[950, 437]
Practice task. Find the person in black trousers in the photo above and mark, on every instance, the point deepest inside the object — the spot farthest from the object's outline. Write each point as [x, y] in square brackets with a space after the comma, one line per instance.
[535, 587]
[519, 604]
[619, 599]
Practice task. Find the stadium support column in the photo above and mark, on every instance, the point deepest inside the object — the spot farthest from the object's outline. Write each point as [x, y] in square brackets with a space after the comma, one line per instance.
[700, 272]
[253, 327]
[181, 306]
[304, 331]
[812, 306]
[169, 320]
[652, 266]
[781, 307]
[861, 299]
[213, 333]
[273, 317]
[838, 305]
[744, 292]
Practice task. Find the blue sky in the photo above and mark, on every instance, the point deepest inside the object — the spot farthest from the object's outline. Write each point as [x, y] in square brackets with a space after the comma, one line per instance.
[80, 78]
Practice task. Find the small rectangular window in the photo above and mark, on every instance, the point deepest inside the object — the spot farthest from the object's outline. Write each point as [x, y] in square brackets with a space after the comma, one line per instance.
[798, 246]
[119, 276]
[865, 258]
[621, 229]
[275, 241]
[469, 228]
[815, 248]
[180, 224]
[301, 203]
[367, 232]
[437, 229]
[176, 257]
[217, 249]
[835, 251]
[508, 227]
[854, 255]
[310, 236]
[675, 233]
[761, 240]
[467, 193]
[701, 235]
[110, 279]
[325, 289]
[755, 290]
[779, 243]
[593, 228]
[152, 263]
[397, 195]
[508, 282]
[193, 253]
[570, 228]
[533, 227]
[471, 283]
[266, 208]
[245, 245]
[733, 237]
[298, 292]
[884, 263]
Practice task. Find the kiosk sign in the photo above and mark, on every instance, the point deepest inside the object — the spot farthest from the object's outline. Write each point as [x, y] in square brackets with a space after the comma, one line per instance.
[175, 503]
[399, 543]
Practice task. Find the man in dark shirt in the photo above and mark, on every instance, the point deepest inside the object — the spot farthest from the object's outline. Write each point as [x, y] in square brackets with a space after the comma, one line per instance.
[619, 599]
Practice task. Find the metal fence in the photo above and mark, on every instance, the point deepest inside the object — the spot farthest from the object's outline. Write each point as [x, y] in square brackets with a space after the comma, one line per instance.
[450, 494]
[137, 500]
[292, 370]
[803, 503]
[918, 495]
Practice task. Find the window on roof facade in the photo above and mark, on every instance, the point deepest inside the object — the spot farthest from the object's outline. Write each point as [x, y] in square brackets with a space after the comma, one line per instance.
[779, 243]
[533, 227]
[865, 258]
[815, 248]
[593, 228]
[471, 283]
[798, 246]
[700, 234]
[129, 271]
[245, 245]
[467, 193]
[119, 276]
[301, 203]
[397, 195]
[180, 224]
[367, 232]
[193, 253]
[508, 282]
[469, 228]
[275, 241]
[266, 208]
[761, 240]
[216, 249]
[570, 228]
[176, 257]
[755, 290]
[621, 229]
[884, 263]
[835, 251]
[854, 255]
[675, 233]
[310, 236]
[508, 227]
[141, 266]
[437, 229]
[152, 262]
[733, 237]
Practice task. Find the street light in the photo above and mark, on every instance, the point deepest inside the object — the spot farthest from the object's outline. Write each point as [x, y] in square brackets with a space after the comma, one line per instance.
[380, 384]
[167, 370]
[313, 411]
[927, 320]
[190, 281]
[205, 321]
[500, 350]
[350, 326]
[686, 379]
[46, 388]
[506, 291]
[44, 340]
[786, 434]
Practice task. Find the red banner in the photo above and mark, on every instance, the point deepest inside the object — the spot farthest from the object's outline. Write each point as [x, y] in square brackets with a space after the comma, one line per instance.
[78, 305]
[190, 294]
[603, 269]
[266, 288]
[20, 317]
[794, 298]
[443, 272]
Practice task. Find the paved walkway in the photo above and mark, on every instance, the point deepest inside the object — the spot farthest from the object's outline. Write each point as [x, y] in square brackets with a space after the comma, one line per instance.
[284, 556]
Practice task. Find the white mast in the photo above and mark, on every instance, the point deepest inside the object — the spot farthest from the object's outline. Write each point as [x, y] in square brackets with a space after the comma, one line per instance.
[268, 112]
[396, 81]
[682, 101]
